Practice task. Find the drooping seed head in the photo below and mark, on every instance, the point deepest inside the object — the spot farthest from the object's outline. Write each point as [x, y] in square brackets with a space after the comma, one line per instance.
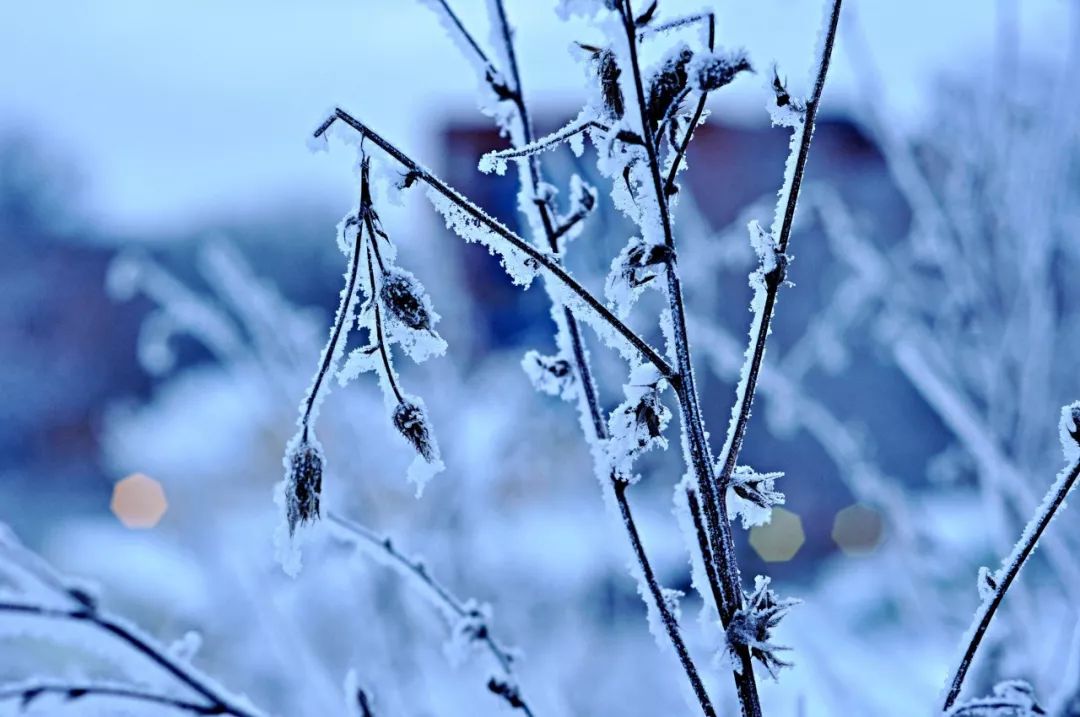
[411, 422]
[404, 299]
[304, 488]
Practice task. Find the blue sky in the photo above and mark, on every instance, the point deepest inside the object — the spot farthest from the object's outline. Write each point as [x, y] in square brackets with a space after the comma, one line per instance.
[174, 109]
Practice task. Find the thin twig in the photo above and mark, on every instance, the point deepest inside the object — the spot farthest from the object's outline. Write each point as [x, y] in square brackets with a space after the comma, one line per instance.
[27, 692]
[775, 279]
[680, 151]
[155, 654]
[504, 657]
[721, 542]
[341, 319]
[542, 258]
[547, 142]
[1054, 500]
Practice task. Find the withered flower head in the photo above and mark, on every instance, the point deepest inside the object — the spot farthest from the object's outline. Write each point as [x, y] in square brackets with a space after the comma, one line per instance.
[404, 299]
[305, 485]
[412, 423]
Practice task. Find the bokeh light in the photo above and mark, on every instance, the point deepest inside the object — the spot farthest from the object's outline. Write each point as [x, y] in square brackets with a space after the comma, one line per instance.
[780, 539]
[138, 501]
[857, 529]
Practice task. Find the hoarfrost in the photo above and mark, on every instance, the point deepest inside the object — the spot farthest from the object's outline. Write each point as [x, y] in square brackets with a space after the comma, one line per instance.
[521, 268]
[553, 375]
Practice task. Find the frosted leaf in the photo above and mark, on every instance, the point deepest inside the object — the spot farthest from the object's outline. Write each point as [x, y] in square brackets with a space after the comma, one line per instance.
[751, 627]
[637, 424]
[988, 582]
[1069, 431]
[360, 361]
[552, 375]
[667, 84]
[467, 632]
[348, 231]
[712, 70]
[1011, 698]
[636, 266]
[752, 495]
[784, 110]
[582, 202]
[521, 267]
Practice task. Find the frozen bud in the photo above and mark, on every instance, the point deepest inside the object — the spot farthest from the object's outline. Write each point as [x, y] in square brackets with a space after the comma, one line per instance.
[988, 582]
[404, 299]
[608, 73]
[667, 84]
[412, 423]
[305, 485]
[637, 425]
[713, 70]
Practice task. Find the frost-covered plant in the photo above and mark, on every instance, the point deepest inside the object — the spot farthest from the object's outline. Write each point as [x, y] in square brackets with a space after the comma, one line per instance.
[396, 310]
[38, 603]
[640, 121]
[993, 585]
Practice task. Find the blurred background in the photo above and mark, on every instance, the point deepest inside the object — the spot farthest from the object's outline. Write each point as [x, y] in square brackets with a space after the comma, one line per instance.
[169, 272]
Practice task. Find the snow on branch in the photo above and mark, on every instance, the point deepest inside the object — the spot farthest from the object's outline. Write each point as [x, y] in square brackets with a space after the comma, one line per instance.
[519, 256]
[994, 585]
[772, 252]
[46, 604]
[397, 310]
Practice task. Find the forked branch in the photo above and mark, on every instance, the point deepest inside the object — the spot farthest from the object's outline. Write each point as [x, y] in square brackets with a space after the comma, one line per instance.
[543, 259]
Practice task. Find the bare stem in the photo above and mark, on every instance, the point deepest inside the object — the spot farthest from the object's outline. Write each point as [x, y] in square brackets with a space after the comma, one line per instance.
[774, 280]
[588, 387]
[721, 542]
[340, 320]
[541, 257]
[680, 151]
[504, 657]
[28, 692]
[1055, 499]
[219, 703]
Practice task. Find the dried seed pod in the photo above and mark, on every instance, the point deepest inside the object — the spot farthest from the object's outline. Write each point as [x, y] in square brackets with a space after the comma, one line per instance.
[667, 84]
[404, 299]
[608, 72]
[305, 485]
[411, 422]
